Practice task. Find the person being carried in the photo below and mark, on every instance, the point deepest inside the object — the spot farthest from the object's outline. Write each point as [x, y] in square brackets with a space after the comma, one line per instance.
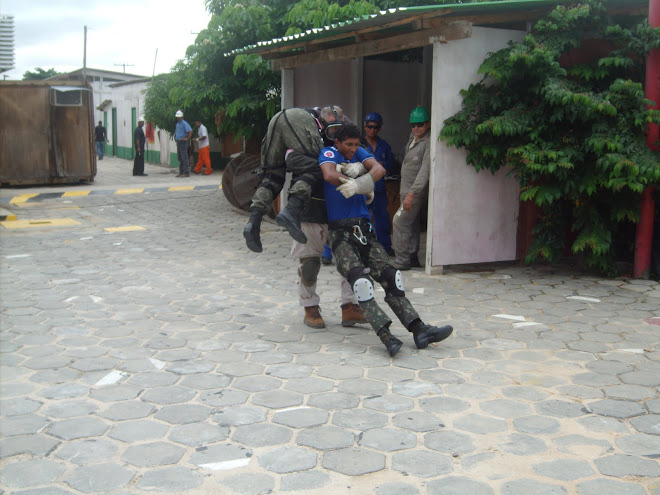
[303, 130]
[359, 256]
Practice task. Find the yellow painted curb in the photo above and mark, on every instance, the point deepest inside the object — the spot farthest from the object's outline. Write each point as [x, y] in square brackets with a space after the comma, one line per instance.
[75, 193]
[181, 188]
[129, 228]
[8, 218]
[42, 222]
[129, 191]
[22, 198]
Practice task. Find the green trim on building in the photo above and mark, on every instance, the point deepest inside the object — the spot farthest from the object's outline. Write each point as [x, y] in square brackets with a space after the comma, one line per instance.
[152, 156]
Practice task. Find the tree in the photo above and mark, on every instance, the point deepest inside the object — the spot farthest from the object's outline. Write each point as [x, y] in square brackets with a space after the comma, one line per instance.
[573, 135]
[39, 74]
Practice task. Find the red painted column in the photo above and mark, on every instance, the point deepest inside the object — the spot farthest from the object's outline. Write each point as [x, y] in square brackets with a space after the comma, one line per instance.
[644, 236]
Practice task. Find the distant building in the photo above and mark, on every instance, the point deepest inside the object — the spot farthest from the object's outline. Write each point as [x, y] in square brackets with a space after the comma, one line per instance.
[6, 43]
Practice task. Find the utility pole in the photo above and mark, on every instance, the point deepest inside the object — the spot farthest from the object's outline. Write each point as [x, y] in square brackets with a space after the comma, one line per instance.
[124, 66]
[155, 57]
[85, 57]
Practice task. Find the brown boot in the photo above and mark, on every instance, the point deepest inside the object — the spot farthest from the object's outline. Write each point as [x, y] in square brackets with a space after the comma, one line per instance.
[313, 317]
[352, 314]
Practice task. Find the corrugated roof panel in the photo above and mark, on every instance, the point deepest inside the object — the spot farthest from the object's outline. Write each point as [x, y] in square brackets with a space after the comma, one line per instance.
[451, 11]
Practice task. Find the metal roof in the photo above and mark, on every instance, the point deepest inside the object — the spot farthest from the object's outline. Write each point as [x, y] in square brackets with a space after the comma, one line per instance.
[406, 19]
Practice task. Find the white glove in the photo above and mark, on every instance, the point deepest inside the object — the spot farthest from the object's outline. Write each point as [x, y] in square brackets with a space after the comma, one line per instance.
[370, 197]
[362, 185]
[340, 167]
[354, 169]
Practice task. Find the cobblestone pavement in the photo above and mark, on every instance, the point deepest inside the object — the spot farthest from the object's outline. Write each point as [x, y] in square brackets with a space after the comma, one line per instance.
[144, 349]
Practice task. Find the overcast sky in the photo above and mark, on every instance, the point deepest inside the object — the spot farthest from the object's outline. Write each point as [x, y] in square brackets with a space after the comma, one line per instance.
[50, 33]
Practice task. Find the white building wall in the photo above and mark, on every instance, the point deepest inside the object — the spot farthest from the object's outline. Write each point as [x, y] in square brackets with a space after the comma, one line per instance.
[473, 216]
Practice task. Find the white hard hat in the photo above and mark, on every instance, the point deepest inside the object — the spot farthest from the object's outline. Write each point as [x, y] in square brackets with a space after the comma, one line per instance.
[179, 113]
[141, 118]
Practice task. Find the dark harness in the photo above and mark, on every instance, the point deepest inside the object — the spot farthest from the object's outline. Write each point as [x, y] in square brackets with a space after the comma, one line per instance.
[357, 231]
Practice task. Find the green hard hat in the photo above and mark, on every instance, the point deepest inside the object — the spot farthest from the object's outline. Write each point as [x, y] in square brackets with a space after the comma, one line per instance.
[419, 115]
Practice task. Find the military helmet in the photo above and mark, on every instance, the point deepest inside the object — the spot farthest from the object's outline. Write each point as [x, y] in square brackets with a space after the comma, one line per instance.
[419, 115]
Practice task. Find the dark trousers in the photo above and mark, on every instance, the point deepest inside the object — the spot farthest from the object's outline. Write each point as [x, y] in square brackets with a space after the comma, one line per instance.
[138, 164]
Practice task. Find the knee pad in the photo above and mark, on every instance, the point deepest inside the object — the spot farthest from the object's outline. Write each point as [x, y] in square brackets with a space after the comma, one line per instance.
[362, 285]
[309, 270]
[393, 282]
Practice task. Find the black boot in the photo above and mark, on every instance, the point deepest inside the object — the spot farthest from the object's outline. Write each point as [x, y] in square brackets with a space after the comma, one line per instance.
[425, 334]
[289, 218]
[391, 342]
[251, 232]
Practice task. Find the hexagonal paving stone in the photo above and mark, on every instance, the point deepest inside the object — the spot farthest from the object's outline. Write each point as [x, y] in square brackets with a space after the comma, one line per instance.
[277, 399]
[87, 451]
[422, 463]
[334, 400]
[21, 405]
[418, 421]
[257, 383]
[518, 444]
[220, 457]
[240, 415]
[564, 469]
[536, 425]
[250, 483]
[388, 439]
[152, 454]
[70, 429]
[639, 444]
[353, 461]
[616, 408]
[560, 409]
[168, 395]
[443, 405]
[30, 473]
[301, 417]
[599, 487]
[304, 481]
[138, 430]
[389, 403]
[181, 414]
[261, 435]
[650, 423]
[99, 478]
[325, 438]
[456, 485]
[127, 410]
[24, 424]
[359, 419]
[175, 479]
[477, 423]
[288, 460]
[645, 378]
[38, 445]
[622, 466]
[223, 398]
[505, 408]
[362, 386]
[518, 487]
[450, 442]
[198, 434]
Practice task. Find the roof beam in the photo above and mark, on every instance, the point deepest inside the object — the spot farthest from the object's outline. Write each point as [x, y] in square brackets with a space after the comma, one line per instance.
[448, 32]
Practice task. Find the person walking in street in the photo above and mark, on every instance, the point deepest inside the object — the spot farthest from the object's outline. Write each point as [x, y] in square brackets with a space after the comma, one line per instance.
[383, 154]
[101, 138]
[203, 149]
[182, 134]
[314, 223]
[415, 171]
[359, 256]
[138, 136]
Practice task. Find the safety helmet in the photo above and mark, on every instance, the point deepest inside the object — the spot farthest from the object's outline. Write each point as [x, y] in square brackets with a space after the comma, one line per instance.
[419, 115]
[141, 118]
[178, 113]
[373, 117]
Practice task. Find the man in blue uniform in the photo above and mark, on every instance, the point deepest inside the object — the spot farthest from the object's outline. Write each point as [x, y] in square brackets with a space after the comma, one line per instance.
[359, 255]
[383, 154]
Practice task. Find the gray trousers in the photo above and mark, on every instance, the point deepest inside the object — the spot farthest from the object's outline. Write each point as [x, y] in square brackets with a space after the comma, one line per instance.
[405, 239]
[182, 155]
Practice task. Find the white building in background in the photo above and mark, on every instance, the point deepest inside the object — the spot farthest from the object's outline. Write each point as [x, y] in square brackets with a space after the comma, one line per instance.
[6, 43]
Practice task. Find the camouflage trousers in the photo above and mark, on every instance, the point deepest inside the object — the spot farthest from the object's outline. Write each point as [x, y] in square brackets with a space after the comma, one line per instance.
[263, 197]
[370, 260]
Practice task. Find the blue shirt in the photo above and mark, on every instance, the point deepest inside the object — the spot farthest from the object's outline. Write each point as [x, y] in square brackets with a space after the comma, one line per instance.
[181, 130]
[382, 154]
[338, 206]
